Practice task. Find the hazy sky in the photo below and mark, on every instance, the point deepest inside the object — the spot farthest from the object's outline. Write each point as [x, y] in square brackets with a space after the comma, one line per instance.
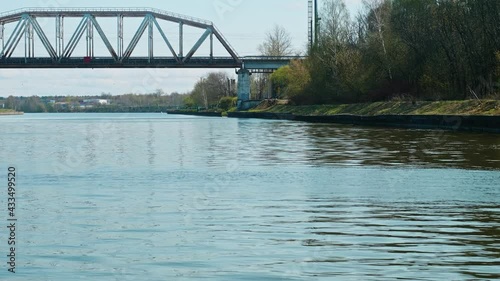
[243, 22]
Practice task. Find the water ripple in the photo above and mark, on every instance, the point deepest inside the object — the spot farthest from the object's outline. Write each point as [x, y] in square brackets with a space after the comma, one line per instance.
[140, 197]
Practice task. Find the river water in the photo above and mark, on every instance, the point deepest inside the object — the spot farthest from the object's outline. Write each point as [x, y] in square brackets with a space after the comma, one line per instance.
[159, 197]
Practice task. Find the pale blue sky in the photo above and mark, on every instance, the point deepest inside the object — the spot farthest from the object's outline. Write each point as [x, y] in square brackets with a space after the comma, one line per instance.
[243, 22]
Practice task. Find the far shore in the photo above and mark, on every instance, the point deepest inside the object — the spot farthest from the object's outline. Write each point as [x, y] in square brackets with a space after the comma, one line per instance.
[415, 108]
[10, 112]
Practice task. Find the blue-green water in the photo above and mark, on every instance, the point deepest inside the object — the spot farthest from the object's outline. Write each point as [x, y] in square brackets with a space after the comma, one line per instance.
[159, 197]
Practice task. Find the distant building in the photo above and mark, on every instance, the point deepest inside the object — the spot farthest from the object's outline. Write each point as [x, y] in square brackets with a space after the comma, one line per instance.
[83, 105]
[62, 105]
[96, 102]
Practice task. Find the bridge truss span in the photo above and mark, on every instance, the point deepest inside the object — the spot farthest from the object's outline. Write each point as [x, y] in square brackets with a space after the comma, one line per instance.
[63, 53]
[25, 25]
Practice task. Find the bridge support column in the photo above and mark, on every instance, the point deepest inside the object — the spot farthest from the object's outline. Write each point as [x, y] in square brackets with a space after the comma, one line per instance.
[59, 35]
[29, 41]
[150, 39]
[243, 88]
[2, 28]
[181, 40]
[270, 88]
[90, 38]
[120, 36]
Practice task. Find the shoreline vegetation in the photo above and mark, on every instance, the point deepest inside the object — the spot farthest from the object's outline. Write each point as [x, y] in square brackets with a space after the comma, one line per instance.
[395, 58]
[471, 115]
[459, 107]
[436, 108]
[467, 107]
[10, 112]
[468, 115]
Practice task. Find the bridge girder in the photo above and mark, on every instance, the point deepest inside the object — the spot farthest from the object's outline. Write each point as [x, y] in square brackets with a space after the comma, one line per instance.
[26, 20]
[61, 56]
[120, 56]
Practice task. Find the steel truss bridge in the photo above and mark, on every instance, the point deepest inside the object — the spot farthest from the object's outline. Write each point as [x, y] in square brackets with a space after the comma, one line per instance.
[24, 24]
[61, 51]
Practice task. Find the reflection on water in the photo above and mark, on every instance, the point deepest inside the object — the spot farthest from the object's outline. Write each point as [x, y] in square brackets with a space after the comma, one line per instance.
[401, 147]
[155, 197]
[355, 146]
[422, 236]
[89, 146]
[261, 142]
[151, 143]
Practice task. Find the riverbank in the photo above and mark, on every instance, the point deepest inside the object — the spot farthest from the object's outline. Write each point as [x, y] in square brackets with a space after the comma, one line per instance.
[10, 112]
[195, 113]
[482, 116]
[468, 108]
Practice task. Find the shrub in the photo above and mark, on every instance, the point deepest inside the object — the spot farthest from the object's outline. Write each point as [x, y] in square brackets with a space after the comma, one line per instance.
[226, 103]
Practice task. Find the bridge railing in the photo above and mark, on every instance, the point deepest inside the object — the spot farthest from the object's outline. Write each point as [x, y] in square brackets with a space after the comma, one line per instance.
[263, 58]
[114, 10]
[176, 15]
[225, 40]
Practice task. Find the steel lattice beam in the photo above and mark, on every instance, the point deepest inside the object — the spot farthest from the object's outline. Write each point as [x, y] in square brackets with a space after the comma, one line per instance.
[75, 38]
[181, 39]
[61, 51]
[136, 38]
[59, 35]
[14, 39]
[120, 35]
[29, 40]
[166, 40]
[2, 30]
[27, 26]
[45, 41]
[103, 37]
[198, 44]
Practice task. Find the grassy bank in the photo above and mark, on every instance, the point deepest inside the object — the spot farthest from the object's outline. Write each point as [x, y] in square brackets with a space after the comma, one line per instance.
[468, 107]
[8, 112]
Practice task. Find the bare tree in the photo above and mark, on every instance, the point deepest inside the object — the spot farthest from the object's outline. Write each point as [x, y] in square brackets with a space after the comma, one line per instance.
[335, 22]
[278, 43]
[208, 90]
[379, 14]
[335, 35]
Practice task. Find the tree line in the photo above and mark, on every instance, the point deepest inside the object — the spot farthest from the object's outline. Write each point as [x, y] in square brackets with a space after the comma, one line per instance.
[153, 102]
[392, 49]
[215, 91]
[410, 49]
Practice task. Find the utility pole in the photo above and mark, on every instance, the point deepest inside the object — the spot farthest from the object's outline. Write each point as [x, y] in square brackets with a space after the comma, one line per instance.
[313, 22]
[310, 22]
[204, 93]
[316, 22]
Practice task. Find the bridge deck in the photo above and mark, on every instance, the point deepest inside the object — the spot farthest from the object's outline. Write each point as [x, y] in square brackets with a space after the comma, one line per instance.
[61, 51]
[250, 63]
[13, 16]
[106, 62]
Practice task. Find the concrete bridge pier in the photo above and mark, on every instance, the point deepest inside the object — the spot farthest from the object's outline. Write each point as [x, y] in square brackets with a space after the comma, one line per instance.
[243, 84]
[243, 87]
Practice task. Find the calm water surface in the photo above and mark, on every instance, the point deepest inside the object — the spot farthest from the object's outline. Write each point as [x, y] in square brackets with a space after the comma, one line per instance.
[158, 197]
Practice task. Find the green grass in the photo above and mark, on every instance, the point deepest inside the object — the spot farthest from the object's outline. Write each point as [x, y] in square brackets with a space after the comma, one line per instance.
[468, 107]
[3, 111]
